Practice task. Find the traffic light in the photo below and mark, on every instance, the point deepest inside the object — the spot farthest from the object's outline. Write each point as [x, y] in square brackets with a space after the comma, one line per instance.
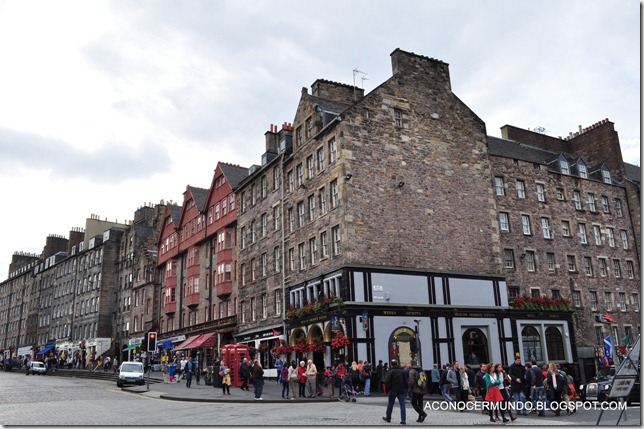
[151, 341]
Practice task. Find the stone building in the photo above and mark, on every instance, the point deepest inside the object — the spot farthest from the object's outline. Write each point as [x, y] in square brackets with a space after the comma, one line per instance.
[260, 239]
[136, 295]
[379, 241]
[568, 230]
[62, 300]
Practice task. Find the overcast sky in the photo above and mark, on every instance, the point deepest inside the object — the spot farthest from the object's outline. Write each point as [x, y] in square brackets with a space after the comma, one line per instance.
[107, 105]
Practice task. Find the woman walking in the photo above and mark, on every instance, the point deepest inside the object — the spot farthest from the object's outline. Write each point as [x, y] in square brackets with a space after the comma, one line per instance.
[493, 395]
[504, 388]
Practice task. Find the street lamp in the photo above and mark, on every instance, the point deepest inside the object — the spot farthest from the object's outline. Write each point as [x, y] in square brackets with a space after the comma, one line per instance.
[417, 339]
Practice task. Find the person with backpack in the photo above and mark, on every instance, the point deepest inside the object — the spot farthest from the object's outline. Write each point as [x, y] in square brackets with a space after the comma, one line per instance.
[418, 386]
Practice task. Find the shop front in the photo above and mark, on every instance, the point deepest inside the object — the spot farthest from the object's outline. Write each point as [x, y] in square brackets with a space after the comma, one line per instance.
[262, 344]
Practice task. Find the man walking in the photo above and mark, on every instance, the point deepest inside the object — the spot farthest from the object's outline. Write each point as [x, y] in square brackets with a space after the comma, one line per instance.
[396, 386]
[418, 388]
[454, 379]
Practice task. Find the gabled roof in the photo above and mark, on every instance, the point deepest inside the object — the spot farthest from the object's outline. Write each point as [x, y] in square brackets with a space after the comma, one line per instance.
[234, 173]
[175, 214]
[199, 195]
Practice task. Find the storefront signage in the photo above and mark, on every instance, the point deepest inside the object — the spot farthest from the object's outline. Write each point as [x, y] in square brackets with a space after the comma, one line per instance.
[378, 293]
[468, 314]
[174, 339]
[258, 335]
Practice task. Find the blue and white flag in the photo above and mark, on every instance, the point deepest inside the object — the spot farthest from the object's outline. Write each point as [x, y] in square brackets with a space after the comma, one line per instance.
[608, 348]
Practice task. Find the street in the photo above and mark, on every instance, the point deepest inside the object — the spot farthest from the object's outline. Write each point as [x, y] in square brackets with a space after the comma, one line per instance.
[51, 400]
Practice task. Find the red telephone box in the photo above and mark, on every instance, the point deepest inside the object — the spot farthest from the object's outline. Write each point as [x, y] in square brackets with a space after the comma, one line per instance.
[233, 355]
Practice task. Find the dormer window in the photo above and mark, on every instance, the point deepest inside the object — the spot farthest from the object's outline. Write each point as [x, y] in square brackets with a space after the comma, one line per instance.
[582, 170]
[606, 176]
[564, 167]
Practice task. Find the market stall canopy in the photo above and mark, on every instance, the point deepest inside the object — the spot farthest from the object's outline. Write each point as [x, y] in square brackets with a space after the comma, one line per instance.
[167, 344]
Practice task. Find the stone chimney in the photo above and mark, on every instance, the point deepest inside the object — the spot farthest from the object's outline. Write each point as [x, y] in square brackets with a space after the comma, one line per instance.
[421, 68]
[335, 91]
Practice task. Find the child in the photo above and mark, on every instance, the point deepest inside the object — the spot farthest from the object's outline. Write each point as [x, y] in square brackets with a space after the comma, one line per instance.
[225, 382]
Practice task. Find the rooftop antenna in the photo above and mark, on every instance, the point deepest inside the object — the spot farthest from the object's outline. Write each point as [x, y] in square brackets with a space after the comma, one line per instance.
[540, 130]
[355, 72]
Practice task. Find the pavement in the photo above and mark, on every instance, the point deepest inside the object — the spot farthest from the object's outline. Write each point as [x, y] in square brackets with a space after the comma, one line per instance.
[202, 392]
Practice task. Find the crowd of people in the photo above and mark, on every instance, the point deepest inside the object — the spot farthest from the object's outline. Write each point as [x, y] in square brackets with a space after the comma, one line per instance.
[522, 389]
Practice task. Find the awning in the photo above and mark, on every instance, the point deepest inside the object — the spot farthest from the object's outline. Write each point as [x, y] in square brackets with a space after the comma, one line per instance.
[205, 340]
[186, 344]
[132, 346]
[45, 350]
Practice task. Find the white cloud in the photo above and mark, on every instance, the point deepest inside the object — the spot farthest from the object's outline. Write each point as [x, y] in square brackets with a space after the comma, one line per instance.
[172, 88]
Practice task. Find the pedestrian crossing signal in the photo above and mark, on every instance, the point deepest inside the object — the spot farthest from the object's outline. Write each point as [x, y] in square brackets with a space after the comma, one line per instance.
[151, 341]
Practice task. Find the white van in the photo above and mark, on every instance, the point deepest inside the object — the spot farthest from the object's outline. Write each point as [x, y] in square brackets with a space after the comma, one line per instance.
[130, 373]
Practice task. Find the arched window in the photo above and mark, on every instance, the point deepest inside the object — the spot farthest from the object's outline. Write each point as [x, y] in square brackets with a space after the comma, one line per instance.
[475, 349]
[531, 343]
[554, 344]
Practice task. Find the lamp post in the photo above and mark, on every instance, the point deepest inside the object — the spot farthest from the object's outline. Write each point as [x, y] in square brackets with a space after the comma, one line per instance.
[418, 345]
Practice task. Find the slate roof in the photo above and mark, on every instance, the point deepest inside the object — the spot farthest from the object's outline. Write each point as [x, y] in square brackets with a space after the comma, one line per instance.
[199, 195]
[329, 105]
[512, 149]
[234, 173]
[633, 172]
[175, 213]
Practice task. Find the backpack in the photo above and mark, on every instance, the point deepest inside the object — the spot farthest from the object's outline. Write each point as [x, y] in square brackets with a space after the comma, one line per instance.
[422, 380]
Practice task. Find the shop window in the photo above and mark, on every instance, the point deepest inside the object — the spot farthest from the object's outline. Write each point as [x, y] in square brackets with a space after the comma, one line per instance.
[475, 347]
[554, 344]
[531, 343]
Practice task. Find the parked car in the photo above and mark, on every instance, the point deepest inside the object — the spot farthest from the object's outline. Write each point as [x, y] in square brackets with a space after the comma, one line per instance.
[599, 387]
[36, 367]
[130, 373]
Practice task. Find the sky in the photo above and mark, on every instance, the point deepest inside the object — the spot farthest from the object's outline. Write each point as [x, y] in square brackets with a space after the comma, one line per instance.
[109, 105]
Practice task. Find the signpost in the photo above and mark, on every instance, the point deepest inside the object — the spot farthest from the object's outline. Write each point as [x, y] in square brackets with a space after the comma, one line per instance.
[625, 376]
